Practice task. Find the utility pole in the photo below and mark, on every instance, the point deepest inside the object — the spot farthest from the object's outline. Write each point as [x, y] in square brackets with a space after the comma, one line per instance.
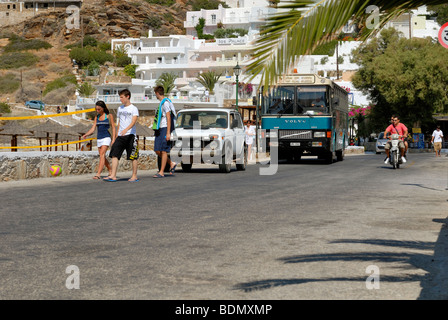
[82, 32]
[337, 60]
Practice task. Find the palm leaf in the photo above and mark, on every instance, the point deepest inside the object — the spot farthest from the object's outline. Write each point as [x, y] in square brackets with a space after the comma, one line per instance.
[301, 25]
[208, 80]
[166, 80]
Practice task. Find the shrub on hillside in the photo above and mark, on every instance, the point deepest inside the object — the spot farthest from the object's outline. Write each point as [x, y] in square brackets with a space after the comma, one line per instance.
[84, 57]
[60, 96]
[4, 107]
[165, 3]
[34, 74]
[9, 83]
[21, 44]
[61, 82]
[29, 91]
[15, 60]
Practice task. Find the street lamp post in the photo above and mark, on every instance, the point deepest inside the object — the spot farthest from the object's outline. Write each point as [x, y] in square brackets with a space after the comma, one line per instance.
[236, 72]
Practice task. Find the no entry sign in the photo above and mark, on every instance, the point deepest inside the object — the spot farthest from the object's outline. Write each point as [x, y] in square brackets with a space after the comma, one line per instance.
[443, 35]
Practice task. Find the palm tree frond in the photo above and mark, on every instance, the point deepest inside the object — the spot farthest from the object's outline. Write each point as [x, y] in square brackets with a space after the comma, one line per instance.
[300, 26]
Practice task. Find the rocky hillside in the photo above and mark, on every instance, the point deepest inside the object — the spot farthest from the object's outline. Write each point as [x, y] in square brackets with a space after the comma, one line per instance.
[101, 19]
[106, 19]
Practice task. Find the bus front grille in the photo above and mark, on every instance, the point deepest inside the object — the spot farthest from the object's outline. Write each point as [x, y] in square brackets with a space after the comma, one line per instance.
[295, 134]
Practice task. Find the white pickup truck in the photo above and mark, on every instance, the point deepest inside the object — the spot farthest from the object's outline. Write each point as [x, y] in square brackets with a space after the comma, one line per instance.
[209, 135]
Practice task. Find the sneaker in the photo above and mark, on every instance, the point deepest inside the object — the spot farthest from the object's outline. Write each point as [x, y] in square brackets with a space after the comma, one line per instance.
[403, 159]
[387, 161]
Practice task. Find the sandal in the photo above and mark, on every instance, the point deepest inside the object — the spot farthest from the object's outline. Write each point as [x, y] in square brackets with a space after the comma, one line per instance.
[173, 169]
[158, 176]
[96, 177]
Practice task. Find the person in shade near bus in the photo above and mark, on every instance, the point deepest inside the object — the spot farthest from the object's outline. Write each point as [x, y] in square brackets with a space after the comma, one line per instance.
[437, 138]
[402, 131]
[102, 122]
[250, 135]
[127, 115]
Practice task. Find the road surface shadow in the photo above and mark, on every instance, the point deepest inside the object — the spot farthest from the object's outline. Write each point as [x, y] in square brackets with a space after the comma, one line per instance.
[434, 283]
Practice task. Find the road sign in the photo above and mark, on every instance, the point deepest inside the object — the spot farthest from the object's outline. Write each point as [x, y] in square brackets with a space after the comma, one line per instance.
[443, 35]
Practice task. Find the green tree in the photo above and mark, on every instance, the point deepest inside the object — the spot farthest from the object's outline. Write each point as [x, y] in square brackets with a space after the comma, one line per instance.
[166, 80]
[200, 30]
[302, 25]
[121, 56]
[85, 89]
[441, 13]
[129, 70]
[197, 5]
[4, 108]
[402, 76]
[93, 68]
[209, 79]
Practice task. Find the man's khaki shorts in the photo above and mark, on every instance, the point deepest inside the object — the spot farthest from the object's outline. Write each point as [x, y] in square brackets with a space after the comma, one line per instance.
[437, 146]
[388, 145]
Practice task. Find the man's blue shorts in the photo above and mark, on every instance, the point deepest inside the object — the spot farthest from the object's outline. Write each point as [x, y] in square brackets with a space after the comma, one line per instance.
[160, 143]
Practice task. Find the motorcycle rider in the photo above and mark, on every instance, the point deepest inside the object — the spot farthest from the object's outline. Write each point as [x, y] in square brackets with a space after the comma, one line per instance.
[402, 131]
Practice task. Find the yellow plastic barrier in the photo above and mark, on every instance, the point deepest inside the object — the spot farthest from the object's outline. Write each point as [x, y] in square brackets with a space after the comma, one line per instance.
[48, 115]
[49, 145]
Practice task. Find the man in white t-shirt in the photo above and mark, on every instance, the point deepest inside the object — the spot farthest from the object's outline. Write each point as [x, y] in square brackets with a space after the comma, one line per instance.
[437, 138]
[127, 115]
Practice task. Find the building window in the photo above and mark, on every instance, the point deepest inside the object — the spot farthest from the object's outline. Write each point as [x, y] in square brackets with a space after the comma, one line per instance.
[213, 18]
[13, 6]
[9, 7]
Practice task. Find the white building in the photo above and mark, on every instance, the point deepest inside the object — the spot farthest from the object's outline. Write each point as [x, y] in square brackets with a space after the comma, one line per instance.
[187, 57]
[248, 18]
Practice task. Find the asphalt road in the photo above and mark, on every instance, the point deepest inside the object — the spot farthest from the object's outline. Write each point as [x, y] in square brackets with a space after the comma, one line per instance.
[355, 229]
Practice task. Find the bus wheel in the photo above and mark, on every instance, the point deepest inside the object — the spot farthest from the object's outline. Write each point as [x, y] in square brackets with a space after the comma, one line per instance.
[340, 155]
[186, 167]
[328, 158]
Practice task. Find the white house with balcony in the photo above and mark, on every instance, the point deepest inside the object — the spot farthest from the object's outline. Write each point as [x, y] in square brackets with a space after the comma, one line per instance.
[250, 18]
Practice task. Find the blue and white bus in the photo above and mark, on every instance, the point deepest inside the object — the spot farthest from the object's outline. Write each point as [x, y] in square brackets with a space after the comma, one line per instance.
[306, 115]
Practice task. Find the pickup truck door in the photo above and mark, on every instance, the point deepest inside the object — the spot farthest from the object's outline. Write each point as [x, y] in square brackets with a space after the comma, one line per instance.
[239, 135]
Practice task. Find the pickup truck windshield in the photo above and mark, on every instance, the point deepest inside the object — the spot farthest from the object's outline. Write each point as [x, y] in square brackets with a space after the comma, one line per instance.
[204, 119]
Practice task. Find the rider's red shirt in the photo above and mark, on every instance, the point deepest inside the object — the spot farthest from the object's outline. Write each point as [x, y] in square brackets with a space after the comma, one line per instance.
[400, 129]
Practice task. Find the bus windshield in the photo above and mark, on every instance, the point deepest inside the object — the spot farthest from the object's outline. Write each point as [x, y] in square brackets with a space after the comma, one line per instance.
[312, 100]
[300, 100]
[280, 101]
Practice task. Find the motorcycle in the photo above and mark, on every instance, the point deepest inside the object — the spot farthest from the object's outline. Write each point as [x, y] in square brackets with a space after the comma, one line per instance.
[395, 154]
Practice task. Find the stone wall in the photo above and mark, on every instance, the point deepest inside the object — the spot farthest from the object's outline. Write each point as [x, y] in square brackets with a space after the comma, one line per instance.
[32, 165]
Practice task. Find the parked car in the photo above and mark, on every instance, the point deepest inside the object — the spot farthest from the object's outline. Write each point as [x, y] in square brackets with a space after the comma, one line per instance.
[35, 104]
[380, 143]
[210, 135]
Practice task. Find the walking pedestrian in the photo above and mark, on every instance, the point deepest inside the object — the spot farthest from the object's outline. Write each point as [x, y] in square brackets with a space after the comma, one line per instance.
[102, 122]
[250, 134]
[437, 138]
[163, 126]
[127, 115]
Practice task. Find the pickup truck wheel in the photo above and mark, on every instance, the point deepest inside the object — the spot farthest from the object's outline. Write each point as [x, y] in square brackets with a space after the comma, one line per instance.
[223, 166]
[186, 167]
[243, 159]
